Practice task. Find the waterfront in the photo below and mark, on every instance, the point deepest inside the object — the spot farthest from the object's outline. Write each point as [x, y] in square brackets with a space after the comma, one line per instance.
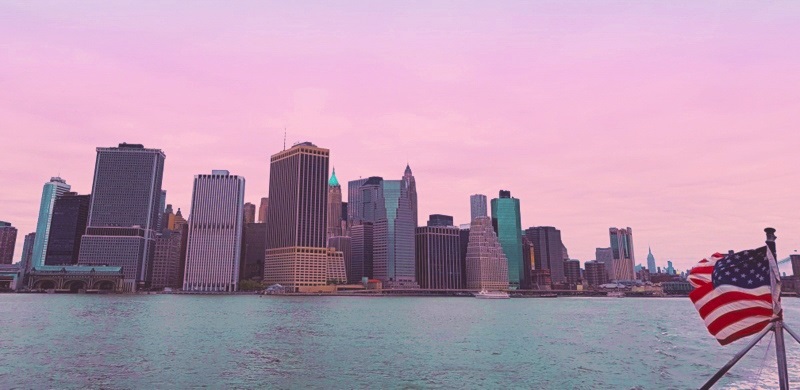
[183, 341]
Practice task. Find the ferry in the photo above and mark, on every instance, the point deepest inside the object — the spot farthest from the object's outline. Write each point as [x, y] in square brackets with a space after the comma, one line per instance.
[492, 295]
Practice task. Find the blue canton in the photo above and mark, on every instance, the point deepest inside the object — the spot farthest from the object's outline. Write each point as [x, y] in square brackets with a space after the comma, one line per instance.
[747, 269]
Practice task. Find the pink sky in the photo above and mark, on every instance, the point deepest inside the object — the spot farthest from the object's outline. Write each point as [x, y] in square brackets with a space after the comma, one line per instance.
[679, 119]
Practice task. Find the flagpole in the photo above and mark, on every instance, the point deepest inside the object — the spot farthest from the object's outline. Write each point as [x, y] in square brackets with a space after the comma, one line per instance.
[775, 281]
[736, 358]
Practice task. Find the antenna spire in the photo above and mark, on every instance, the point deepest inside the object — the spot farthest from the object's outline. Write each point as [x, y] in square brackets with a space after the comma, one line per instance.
[284, 138]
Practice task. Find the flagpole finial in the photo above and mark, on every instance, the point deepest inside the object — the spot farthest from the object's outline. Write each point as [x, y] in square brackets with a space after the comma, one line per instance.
[770, 233]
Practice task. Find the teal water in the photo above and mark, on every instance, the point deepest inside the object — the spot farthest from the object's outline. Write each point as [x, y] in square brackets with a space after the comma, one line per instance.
[180, 341]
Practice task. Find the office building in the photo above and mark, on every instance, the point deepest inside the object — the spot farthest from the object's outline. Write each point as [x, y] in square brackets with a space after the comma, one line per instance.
[410, 185]
[670, 269]
[262, 210]
[440, 220]
[486, 263]
[254, 245]
[123, 212]
[606, 256]
[527, 261]
[334, 227]
[463, 244]
[213, 252]
[249, 213]
[541, 279]
[651, 261]
[297, 254]
[167, 260]
[361, 245]
[595, 272]
[572, 272]
[394, 231]
[8, 241]
[51, 190]
[67, 226]
[622, 252]
[507, 222]
[335, 272]
[362, 205]
[162, 208]
[355, 201]
[548, 251]
[477, 206]
[27, 251]
[179, 219]
[795, 259]
[344, 244]
[439, 257]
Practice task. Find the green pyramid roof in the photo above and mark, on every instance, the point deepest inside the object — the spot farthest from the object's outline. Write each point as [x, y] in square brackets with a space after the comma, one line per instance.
[333, 182]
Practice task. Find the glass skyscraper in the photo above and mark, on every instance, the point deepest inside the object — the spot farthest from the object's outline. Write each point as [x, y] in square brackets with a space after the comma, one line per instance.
[622, 254]
[52, 190]
[507, 223]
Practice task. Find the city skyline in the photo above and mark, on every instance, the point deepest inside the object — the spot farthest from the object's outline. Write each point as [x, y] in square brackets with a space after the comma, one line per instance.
[653, 154]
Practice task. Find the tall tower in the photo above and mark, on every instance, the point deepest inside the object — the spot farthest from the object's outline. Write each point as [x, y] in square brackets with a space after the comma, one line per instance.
[486, 263]
[334, 228]
[438, 257]
[8, 241]
[123, 212]
[296, 254]
[262, 210]
[548, 251]
[410, 185]
[394, 230]
[249, 213]
[507, 221]
[651, 262]
[622, 253]
[213, 250]
[52, 190]
[70, 213]
[477, 206]
[27, 251]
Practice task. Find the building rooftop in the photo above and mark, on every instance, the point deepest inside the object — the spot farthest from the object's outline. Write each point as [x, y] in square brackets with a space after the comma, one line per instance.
[333, 182]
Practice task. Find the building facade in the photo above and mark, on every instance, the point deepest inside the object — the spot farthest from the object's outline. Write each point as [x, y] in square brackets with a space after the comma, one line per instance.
[8, 241]
[335, 272]
[486, 263]
[334, 227]
[595, 273]
[262, 210]
[507, 221]
[344, 244]
[167, 260]
[254, 245]
[394, 233]
[27, 251]
[572, 272]
[296, 247]
[123, 212]
[213, 252]
[548, 251]
[477, 206]
[439, 258]
[606, 256]
[362, 245]
[651, 261]
[68, 223]
[623, 259]
[440, 220]
[50, 192]
[249, 213]
[795, 259]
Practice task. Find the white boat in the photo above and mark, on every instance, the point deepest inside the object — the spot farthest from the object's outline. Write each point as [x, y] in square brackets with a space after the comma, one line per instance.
[491, 295]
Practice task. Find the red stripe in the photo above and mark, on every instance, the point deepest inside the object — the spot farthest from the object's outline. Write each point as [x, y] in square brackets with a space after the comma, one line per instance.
[702, 270]
[752, 329]
[700, 292]
[729, 297]
[733, 317]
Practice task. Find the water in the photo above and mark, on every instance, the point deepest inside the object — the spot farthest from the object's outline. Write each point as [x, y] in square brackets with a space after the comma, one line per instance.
[180, 341]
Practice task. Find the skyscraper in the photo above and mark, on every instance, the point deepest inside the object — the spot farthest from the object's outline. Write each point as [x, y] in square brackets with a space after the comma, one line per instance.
[486, 263]
[249, 213]
[355, 200]
[8, 241]
[606, 256]
[52, 190]
[410, 185]
[362, 199]
[507, 221]
[296, 254]
[361, 257]
[344, 244]
[262, 210]
[167, 260]
[595, 273]
[622, 252]
[651, 261]
[68, 224]
[213, 252]
[334, 227]
[440, 220]
[477, 206]
[255, 236]
[548, 251]
[123, 213]
[670, 268]
[394, 232]
[439, 257]
[572, 272]
[162, 208]
[27, 250]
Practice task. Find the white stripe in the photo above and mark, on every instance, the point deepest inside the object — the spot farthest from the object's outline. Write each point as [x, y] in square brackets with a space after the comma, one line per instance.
[728, 288]
[734, 306]
[737, 326]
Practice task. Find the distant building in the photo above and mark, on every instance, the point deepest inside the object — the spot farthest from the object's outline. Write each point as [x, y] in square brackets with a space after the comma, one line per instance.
[670, 268]
[394, 230]
[651, 261]
[179, 220]
[528, 260]
[795, 259]
[595, 273]
[548, 251]
[213, 253]
[439, 257]
[463, 243]
[262, 210]
[253, 249]
[541, 279]
[297, 253]
[167, 260]
[606, 256]
[507, 223]
[487, 266]
[440, 220]
[27, 251]
[334, 219]
[68, 224]
[123, 213]
[162, 208]
[361, 244]
[8, 241]
[622, 252]
[249, 213]
[477, 206]
[572, 272]
[344, 244]
[355, 200]
[51, 190]
[335, 269]
[410, 185]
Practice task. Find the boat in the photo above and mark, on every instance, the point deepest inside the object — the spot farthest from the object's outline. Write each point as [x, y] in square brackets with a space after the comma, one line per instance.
[616, 294]
[492, 295]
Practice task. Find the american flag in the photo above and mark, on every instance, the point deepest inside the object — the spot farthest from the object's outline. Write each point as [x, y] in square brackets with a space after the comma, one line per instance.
[733, 293]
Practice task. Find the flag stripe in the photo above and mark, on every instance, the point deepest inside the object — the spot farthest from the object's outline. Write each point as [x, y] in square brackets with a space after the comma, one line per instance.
[722, 301]
[747, 331]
